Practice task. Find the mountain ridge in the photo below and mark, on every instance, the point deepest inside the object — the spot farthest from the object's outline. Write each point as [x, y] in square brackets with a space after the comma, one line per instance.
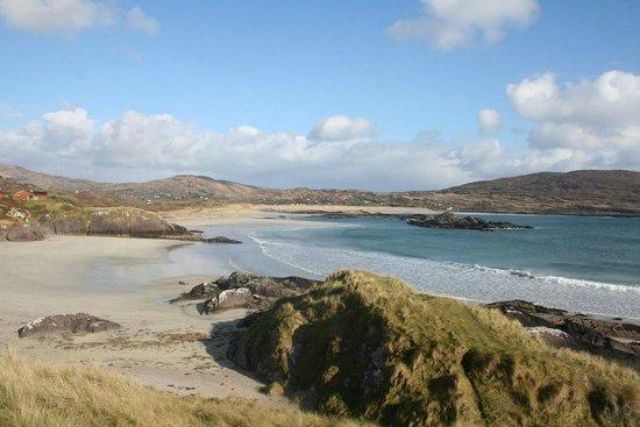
[575, 192]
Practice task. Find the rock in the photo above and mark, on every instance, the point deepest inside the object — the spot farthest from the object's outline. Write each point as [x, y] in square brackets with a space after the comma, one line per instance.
[263, 291]
[201, 291]
[554, 337]
[25, 233]
[220, 239]
[266, 286]
[609, 338]
[231, 298]
[449, 220]
[61, 323]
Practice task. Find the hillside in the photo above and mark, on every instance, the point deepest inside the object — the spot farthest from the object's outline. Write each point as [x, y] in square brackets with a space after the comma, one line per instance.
[366, 346]
[33, 394]
[578, 192]
[583, 191]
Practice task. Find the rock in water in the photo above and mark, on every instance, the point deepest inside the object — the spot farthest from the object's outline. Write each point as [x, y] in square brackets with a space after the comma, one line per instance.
[61, 323]
[449, 220]
[220, 239]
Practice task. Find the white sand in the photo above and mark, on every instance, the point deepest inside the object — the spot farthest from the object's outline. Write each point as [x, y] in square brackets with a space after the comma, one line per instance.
[56, 276]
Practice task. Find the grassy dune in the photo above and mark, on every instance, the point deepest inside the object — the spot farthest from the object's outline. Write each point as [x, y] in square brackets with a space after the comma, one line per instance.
[366, 346]
[33, 394]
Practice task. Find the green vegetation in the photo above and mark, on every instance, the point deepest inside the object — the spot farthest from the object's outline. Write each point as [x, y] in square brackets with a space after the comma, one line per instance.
[365, 346]
[33, 395]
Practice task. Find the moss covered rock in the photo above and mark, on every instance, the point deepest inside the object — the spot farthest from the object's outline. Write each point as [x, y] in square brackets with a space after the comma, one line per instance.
[366, 346]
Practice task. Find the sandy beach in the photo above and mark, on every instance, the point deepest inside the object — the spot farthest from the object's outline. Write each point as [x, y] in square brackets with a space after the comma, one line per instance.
[168, 346]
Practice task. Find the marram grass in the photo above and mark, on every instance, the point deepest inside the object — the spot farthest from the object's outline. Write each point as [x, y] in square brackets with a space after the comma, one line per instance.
[366, 346]
[34, 394]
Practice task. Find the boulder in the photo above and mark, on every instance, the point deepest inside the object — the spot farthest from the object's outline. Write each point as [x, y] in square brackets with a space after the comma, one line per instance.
[231, 298]
[62, 323]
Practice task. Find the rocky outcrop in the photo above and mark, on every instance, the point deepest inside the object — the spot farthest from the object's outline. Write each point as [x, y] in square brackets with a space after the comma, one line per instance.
[610, 338]
[244, 290]
[66, 323]
[449, 220]
[24, 233]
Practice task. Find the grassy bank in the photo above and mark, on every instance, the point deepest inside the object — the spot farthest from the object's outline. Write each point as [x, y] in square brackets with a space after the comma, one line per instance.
[367, 346]
[33, 394]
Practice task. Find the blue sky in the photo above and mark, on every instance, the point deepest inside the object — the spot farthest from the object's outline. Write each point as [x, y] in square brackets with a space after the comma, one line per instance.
[287, 66]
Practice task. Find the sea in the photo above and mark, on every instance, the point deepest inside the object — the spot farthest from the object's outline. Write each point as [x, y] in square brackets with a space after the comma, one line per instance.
[583, 264]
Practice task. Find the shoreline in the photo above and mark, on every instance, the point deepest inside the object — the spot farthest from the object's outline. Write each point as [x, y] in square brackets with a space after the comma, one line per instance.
[167, 346]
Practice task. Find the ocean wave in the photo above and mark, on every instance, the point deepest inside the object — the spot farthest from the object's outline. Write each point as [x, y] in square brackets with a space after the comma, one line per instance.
[472, 282]
[569, 281]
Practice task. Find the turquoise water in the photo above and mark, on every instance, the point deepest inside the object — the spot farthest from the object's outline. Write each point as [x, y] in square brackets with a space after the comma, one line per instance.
[589, 264]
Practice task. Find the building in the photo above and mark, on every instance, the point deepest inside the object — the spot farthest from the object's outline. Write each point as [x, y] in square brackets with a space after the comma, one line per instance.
[39, 195]
[3, 195]
[22, 196]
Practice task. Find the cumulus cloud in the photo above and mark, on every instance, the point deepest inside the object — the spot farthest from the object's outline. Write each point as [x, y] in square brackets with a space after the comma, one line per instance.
[336, 153]
[489, 120]
[69, 16]
[137, 20]
[50, 16]
[594, 121]
[139, 146]
[341, 128]
[447, 24]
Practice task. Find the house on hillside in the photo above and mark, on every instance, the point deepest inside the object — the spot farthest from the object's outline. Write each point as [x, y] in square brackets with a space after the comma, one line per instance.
[39, 195]
[22, 196]
[26, 195]
[3, 195]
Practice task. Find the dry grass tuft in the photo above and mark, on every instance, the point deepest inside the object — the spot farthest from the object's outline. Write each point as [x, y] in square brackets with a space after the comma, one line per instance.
[33, 394]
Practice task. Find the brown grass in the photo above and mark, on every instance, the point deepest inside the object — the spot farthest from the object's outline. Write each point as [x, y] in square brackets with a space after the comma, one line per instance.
[33, 394]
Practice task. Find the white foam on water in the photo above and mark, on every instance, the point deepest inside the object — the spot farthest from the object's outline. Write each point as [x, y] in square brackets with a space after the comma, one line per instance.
[473, 282]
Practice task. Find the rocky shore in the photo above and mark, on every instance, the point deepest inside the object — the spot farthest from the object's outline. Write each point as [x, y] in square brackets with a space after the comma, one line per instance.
[613, 339]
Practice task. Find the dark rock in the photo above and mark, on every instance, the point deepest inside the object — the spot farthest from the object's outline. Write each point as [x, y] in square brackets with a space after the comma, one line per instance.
[61, 323]
[244, 290]
[610, 338]
[271, 287]
[449, 220]
[220, 239]
[201, 291]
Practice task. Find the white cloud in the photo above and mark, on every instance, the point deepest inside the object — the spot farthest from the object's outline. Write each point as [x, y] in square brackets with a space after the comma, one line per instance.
[136, 146]
[341, 128]
[53, 16]
[596, 120]
[447, 24]
[137, 20]
[70, 16]
[489, 120]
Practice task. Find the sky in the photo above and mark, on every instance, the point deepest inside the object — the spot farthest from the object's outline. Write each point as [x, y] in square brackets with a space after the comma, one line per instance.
[372, 94]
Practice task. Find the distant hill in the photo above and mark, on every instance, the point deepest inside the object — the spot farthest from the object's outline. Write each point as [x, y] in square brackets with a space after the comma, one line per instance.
[577, 184]
[578, 192]
[583, 191]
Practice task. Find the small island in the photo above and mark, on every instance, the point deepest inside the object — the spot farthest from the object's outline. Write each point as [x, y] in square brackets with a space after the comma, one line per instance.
[449, 220]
